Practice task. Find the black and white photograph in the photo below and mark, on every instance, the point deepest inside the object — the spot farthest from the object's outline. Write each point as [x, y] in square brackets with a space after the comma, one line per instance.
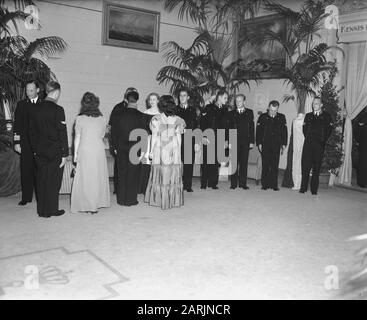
[254, 49]
[183, 156]
[130, 27]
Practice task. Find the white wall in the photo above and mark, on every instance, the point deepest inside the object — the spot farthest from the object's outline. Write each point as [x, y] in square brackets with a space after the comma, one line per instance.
[107, 71]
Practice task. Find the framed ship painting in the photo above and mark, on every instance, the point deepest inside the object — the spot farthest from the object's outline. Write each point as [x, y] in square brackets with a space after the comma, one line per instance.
[271, 57]
[129, 27]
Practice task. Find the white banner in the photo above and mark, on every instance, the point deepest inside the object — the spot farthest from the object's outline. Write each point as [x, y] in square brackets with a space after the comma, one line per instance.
[353, 27]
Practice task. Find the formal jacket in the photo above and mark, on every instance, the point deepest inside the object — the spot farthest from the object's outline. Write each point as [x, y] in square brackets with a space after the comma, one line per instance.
[208, 119]
[213, 117]
[244, 123]
[272, 131]
[317, 127]
[21, 122]
[116, 110]
[190, 118]
[47, 130]
[189, 115]
[128, 120]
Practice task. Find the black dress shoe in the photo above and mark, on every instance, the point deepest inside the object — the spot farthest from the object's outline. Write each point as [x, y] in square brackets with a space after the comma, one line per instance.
[264, 188]
[129, 204]
[189, 190]
[232, 187]
[203, 187]
[215, 188]
[44, 216]
[245, 187]
[276, 189]
[23, 203]
[58, 213]
[302, 191]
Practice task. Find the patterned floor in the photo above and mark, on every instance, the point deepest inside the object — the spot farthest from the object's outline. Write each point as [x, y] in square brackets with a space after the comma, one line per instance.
[57, 274]
[221, 245]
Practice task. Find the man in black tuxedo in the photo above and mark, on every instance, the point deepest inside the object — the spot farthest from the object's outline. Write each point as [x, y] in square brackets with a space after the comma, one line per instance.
[361, 137]
[317, 128]
[271, 139]
[49, 143]
[127, 176]
[187, 113]
[242, 120]
[213, 117]
[115, 116]
[22, 143]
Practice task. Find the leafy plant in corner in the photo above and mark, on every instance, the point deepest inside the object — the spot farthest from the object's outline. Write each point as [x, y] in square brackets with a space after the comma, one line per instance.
[333, 156]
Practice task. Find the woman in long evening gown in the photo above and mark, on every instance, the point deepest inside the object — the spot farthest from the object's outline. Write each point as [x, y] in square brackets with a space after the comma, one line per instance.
[165, 187]
[152, 110]
[90, 190]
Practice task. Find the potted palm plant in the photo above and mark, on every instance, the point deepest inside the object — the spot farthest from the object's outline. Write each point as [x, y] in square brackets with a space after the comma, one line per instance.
[20, 61]
[202, 66]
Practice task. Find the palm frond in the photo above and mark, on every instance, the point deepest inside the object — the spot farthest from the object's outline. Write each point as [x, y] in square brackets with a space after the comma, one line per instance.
[201, 43]
[45, 47]
[169, 73]
[288, 97]
[233, 12]
[196, 11]
[284, 12]
[6, 16]
[173, 52]
[17, 4]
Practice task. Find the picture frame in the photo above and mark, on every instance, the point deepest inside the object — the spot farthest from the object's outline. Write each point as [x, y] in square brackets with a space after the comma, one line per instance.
[130, 27]
[250, 52]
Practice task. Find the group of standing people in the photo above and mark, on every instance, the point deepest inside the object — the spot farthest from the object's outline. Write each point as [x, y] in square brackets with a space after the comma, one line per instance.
[163, 168]
[157, 170]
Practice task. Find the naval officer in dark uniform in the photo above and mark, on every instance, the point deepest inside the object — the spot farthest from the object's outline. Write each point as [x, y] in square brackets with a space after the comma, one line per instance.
[114, 119]
[317, 128]
[188, 113]
[49, 143]
[242, 120]
[212, 118]
[128, 172]
[271, 139]
[22, 143]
